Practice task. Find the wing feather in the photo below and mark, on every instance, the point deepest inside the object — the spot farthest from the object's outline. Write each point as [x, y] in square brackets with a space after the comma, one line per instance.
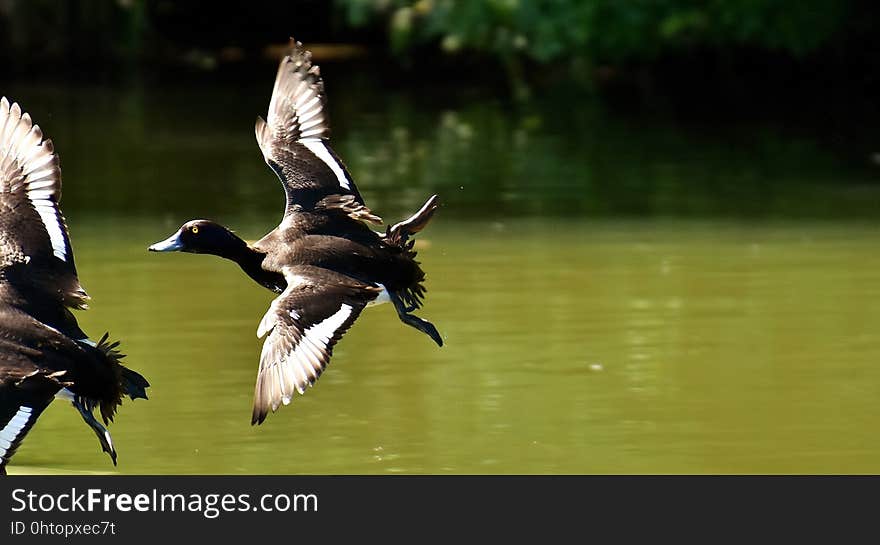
[35, 252]
[294, 137]
[302, 326]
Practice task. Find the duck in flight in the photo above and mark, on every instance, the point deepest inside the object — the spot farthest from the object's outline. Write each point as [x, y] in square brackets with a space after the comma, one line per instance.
[43, 352]
[323, 259]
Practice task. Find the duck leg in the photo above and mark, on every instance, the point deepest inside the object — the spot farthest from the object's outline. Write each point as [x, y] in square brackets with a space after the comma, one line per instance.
[426, 327]
[102, 433]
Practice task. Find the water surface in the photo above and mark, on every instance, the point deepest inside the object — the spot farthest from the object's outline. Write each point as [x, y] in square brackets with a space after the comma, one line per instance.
[615, 297]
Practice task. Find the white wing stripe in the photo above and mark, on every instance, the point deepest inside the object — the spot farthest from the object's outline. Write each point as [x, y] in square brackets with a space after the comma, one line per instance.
[319, 148]
[298, 368]
[327, 328]
[49, 215]
[29, 159]
[13, 428]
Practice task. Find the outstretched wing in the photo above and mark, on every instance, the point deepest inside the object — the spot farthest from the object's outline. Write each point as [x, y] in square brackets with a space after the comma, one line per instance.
[294, 142]
[304, 323]
[35, 253]
[19, 410]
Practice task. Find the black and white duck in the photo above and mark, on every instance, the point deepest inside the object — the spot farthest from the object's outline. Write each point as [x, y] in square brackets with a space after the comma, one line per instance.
[323, 260]
[43, 352]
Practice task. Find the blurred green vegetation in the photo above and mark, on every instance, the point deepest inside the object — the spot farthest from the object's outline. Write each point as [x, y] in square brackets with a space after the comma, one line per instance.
[581, 34]
[548, 30]
[580, 38]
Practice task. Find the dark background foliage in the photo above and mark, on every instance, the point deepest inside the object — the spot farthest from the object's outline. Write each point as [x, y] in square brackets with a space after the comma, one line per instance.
[527, 42]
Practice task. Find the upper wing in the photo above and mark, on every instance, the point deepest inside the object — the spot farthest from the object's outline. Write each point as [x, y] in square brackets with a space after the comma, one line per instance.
[35, 252]
[304, 323]
[294, 137]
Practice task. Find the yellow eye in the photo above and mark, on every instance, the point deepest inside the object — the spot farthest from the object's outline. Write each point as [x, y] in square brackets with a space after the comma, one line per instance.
[195, 230]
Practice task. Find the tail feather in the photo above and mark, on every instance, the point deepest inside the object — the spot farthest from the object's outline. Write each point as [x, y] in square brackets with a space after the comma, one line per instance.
[400, 232]
[134, 385]
[131, 383]
[109, 348]
[398, 235]
[413, 296]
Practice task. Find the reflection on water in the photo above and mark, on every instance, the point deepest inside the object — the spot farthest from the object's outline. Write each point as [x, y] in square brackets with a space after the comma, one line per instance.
[572, 345]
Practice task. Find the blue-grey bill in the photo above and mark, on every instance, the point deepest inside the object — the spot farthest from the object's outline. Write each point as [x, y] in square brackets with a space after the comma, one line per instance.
[170, 244]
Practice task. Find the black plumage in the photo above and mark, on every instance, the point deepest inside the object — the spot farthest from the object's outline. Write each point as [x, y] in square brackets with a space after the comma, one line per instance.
[43, 351]
[323, 259]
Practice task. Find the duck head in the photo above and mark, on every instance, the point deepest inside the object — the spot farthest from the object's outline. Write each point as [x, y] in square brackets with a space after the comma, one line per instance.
[201, 237]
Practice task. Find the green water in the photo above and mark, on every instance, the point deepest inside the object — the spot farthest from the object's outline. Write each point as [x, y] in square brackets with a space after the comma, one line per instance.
[614, 298]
